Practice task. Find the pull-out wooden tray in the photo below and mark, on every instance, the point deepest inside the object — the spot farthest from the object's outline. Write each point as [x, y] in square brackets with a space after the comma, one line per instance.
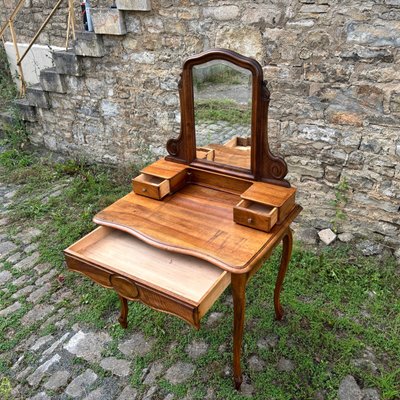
[175, 283]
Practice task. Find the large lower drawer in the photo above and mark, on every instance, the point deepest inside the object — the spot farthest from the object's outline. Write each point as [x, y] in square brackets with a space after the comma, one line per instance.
[170, 282]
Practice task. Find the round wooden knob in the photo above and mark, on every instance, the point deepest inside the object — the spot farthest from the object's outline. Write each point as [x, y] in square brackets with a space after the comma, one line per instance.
[250, 221]
[125, 287]
[144, 190]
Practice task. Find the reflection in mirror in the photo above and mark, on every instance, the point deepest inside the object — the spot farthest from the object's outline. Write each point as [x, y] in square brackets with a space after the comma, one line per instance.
[222, 108]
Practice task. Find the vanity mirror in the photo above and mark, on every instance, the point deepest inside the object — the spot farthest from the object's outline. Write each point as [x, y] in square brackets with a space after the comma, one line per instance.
[222, 113]
[224, 118]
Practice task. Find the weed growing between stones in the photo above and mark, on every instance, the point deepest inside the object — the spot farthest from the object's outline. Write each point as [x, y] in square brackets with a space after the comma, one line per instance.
[8, 89]
[339, 203]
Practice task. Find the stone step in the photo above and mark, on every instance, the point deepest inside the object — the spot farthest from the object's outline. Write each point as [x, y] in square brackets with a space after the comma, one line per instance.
[27, 111]
[108, 21]
[52, 81]
[67, 63]
[89, 44]
[37, 97]
[134, 5]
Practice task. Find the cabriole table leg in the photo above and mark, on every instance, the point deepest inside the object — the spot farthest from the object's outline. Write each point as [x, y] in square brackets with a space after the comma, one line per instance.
[286, 254]
[123, 318]
[239, 298]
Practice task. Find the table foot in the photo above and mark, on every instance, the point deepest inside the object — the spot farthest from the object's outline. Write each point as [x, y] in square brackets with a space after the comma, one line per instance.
[123, 318]
[286, 254]
[238, 382]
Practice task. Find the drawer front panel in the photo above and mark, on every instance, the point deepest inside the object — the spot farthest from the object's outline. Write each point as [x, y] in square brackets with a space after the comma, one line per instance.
[263, 221]
[95, 273]
[135, 291]
[150, 186]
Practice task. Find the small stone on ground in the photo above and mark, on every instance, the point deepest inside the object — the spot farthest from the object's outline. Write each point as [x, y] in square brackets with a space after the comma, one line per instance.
[57, 380]
[256, 364]
[196, 349]
[349, 389]
[137, 345]
[327, 236]
[10, 309]
[285, 365]
[81, 383]
[87, 345]
[179, 372]
[129, 393]
[116, 366]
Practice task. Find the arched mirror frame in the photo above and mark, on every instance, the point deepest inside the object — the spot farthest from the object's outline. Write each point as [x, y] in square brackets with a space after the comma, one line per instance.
[264, 165]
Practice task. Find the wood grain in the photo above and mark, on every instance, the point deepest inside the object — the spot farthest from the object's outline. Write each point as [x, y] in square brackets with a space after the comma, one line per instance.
[197, 221]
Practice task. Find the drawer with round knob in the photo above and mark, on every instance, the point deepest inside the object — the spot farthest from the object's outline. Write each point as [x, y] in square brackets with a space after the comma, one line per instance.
[255, 215]
[171, 282]
[151, 186]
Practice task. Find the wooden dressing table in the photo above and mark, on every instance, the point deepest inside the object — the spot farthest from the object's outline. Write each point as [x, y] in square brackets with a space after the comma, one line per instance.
[205, 217]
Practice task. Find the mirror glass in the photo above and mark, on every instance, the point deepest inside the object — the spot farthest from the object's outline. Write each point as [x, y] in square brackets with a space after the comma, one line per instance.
[222, 109]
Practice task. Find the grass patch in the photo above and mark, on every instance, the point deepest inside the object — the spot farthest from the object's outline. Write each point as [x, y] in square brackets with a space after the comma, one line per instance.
[214, 110]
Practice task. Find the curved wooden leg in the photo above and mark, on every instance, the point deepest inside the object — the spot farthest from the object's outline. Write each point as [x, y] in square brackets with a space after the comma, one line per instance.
[123, 318]
[239, 297]
[286, 254]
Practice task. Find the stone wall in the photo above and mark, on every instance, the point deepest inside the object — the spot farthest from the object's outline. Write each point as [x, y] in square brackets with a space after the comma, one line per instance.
[333, 71]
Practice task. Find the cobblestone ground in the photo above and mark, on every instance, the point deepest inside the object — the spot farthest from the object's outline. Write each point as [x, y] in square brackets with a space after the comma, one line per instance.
[219, 132]
[68, 362]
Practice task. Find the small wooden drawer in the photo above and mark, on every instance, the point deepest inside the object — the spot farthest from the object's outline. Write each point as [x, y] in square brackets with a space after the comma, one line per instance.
[151, 186]
[255, 215]
[205, 153]
[174, 283]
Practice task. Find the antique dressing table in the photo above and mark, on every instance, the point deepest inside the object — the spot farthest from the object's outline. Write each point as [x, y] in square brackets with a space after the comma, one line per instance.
[209, 214]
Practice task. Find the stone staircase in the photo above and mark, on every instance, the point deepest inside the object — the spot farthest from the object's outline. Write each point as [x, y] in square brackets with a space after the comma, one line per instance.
[106, 21]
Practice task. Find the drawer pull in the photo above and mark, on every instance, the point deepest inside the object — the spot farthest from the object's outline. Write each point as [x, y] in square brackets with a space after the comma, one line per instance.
[255, 215]
[144, 190]
[125, 287]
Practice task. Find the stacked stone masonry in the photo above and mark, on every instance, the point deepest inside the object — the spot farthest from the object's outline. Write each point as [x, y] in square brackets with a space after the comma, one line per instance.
[334, 75]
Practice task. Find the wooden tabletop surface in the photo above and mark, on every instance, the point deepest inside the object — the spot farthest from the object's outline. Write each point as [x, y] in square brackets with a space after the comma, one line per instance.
[197, 221]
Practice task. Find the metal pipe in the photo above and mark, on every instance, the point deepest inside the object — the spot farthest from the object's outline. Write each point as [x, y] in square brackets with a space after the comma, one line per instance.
[20, 72]
[40, 30]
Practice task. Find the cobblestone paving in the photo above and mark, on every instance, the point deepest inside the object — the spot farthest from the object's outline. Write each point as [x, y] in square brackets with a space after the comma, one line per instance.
[219, 132]
[68, 363]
